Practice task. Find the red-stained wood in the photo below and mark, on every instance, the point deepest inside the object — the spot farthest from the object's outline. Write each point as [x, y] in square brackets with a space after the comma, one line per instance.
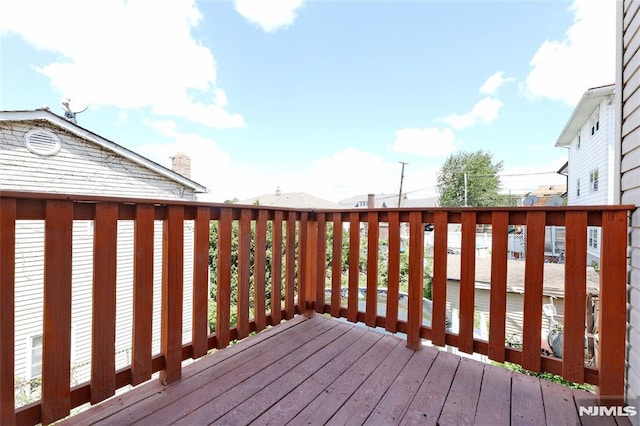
[310, 269]
[613, 306]
[223, 288]
[259, 271]
[303, 251]
[354, 266]
[172, 294]
[373, 232]
[200, 297]
[439, 284]
[322, 408]
[276, 267]
[416, 280]
[467, 281]
[297, 398]
[364, 400]
[533, 282]
[56, 340]
[494, 403]
[286, 389]
[399, 396]
[290, 279]
[498, 302]
[321, 371]
[559, 405]
[142, 293]
[462, 401]
[429, 399]
[336, 266]
[527, 407]
[575, 295]
[393, 273]
[244, 272]
[321, 261]
[103, 330]
[7, 309]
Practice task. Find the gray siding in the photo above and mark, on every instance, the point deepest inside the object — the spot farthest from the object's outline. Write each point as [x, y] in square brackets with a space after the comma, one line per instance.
[82, 167]
[628, 85]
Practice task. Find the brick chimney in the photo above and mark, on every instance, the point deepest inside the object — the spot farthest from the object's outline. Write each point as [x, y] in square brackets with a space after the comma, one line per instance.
[181, 163]
[371, 201]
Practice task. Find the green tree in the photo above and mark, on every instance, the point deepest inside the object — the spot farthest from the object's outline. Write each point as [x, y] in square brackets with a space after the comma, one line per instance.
[482, 181]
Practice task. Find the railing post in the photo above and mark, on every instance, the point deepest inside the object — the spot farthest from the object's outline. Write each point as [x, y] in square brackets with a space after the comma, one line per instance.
[321, 260]
[309, 240]
[613, 307]
[244, 272]
[199, 321]
[172, 294]
[141, 368]
[223, 288]
[373, 230]
[416, 280]
[7, 309]
[103, 330]
[56, 340]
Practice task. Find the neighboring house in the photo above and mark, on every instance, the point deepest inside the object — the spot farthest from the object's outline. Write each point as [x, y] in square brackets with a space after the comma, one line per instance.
[589, 135]
[627, 174]
[41, 151]
[383, 201]
[298, 200]
[553, 293]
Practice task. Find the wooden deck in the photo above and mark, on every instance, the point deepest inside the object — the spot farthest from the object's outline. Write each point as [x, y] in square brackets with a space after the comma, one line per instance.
[326, 371]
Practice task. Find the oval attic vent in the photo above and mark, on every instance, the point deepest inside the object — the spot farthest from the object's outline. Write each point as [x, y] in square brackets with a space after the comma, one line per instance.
[42, 142]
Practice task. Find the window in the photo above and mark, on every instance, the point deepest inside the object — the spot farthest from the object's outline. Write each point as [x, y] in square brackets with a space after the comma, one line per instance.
[593, 238]
[593, 180]
[35, 353]
[577, 187]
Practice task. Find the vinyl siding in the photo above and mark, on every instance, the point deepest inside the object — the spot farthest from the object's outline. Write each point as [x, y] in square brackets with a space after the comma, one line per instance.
[595, 152]
[628, 84]
[515, 309]
[83, 168]
[80, 167]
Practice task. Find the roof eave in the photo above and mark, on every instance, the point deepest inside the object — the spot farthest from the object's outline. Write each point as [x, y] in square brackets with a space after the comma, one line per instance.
[49, 116]
[590, 99]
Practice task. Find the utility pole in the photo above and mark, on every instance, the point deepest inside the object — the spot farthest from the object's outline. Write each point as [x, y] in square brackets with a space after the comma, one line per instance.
[401, 179]
[465, 189]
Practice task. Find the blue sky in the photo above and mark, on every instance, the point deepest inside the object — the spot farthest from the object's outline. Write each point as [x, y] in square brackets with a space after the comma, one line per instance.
[319, 96]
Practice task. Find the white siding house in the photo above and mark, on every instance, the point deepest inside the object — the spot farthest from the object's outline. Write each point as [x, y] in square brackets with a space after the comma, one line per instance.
[627, 162]
[589, 135]
[43, 152]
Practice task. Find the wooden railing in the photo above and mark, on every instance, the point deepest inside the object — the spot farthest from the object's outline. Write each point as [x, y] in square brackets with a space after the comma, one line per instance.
[305, 257]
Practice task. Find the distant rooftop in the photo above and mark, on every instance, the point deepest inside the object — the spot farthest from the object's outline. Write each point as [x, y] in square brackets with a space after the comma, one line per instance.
[553, 284]
[299, 200]
[386, 201]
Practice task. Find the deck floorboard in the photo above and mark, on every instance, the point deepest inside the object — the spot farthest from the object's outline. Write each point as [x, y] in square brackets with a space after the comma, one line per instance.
[325, 371]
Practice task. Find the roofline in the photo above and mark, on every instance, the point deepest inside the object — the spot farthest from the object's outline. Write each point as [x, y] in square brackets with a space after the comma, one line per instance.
[584, 105]
[46, 115]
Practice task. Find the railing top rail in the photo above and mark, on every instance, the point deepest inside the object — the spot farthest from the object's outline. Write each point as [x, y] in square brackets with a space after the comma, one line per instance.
[126, 200]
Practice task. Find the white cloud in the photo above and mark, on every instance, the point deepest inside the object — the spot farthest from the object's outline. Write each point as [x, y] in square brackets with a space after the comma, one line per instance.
[564, 69]
[494, 82]
[485, 111]
[210, 164]
[429, 142]
[351, 172]
[134, 54]
[270, 15]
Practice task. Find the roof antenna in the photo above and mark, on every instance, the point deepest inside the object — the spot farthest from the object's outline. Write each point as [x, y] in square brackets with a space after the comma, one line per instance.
[72, 107]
